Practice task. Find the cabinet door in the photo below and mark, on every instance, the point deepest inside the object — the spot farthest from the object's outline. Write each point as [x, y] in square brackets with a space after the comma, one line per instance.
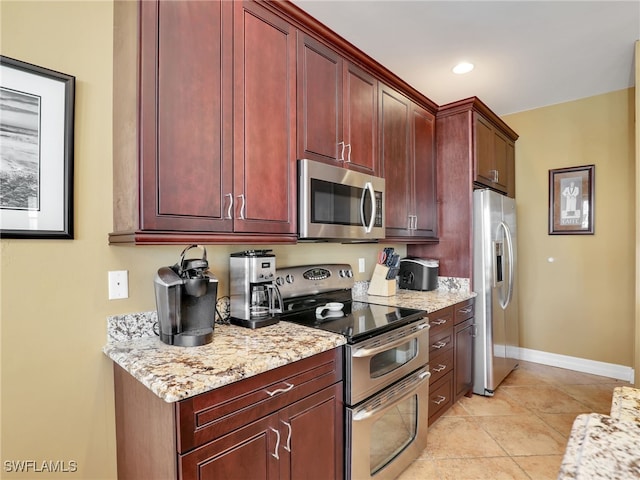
[185, 107]
[500, 158]
[424, 177]
[359, 116]
[312, 428]
[245, 453]
[463, 363]
[394, 131]
[484, 144]
[319, 101]
[264, 126]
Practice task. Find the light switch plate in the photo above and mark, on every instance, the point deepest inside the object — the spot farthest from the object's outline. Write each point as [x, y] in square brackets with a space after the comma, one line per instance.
[361, 265]
[118, 284]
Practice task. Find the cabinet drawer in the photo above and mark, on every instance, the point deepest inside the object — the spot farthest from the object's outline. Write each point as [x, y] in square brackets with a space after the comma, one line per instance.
[440, 365]
[440, 320]
[205, 417]
[464, 310]
[440, 342]
[440, 397]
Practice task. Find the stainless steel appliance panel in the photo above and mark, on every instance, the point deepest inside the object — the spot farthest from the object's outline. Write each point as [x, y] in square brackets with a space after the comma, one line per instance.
[336, 203]
[495, 256]
[376, 363]
[389, 431]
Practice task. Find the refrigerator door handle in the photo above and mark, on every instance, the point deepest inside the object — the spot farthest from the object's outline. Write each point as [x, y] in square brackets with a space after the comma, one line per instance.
[509, 242]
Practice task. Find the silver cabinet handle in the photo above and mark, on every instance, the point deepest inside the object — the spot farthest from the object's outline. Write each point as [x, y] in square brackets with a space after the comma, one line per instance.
[341, 159]
[410, 218]
[275, 452]
[439, 345]
[439, 368]
[349, 154]
[280, 390]
[439, 400]
[241, 197]
[466, 310]
[440, 321]
[229, 217]
[288, 445]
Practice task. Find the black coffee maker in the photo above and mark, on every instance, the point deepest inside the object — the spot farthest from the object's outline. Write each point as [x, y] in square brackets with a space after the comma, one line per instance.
[186, 295]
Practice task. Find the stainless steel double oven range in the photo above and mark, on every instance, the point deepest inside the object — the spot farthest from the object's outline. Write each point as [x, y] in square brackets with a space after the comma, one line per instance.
[386, 366]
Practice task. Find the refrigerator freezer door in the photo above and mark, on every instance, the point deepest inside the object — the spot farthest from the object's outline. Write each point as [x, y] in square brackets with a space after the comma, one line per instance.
[494, 280]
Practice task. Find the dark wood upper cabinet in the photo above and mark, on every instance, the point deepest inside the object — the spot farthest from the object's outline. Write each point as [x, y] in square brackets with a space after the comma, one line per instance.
[470, 142]
[264, 158]
[206, 168]
[408, 160]
[336, 108]
[494, 160]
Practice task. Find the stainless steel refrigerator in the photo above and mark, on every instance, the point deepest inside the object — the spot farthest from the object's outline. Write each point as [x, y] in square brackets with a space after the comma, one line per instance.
[496, 343]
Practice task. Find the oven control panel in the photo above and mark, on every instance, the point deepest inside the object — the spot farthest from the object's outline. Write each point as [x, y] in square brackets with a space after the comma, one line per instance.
[313, 279]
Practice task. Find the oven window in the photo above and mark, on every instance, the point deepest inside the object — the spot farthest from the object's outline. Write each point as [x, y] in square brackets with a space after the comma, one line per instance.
[393, 432]
[387, 361]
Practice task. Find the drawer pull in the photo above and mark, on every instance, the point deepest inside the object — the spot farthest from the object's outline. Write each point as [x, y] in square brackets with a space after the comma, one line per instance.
[275, 452]
[440, 321]
[280, 390]
[439, 400]
[467, 310]
[439, 368]
[439, 345]
[287, 447]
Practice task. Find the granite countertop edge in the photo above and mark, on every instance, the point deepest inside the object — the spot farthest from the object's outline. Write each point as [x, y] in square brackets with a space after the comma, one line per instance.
[176, 373]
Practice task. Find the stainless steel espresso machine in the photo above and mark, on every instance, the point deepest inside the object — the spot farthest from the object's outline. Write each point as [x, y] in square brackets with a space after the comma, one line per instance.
[186, 295]
[255, 300]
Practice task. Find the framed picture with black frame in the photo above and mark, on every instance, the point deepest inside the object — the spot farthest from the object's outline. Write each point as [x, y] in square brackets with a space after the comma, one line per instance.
[36, 151]
[571, 197]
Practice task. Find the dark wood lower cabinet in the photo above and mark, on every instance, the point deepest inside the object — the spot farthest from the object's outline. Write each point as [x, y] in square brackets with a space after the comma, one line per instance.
[297, 442]
[284, 423]
[450, 356]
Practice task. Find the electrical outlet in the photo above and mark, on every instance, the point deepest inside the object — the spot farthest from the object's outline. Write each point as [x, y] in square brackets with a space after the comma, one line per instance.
[118, 284]
[361, 265]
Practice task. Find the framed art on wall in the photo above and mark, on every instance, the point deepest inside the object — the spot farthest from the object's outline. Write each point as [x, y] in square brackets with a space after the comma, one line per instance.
[571, 197]
[36, 151]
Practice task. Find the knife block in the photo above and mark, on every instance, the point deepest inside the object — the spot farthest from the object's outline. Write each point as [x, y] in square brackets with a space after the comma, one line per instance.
[379, 285]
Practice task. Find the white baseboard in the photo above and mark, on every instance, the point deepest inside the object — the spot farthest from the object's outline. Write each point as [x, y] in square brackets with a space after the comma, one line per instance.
[611, 370]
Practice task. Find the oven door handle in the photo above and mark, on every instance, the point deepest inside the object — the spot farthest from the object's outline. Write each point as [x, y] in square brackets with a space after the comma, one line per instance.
[364, 413]
[370, 352]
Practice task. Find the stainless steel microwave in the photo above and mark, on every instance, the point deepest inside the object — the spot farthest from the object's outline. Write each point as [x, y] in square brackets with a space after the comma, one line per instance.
[339, 204]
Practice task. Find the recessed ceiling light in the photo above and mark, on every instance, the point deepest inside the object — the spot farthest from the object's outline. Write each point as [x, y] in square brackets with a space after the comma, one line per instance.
[463, 67]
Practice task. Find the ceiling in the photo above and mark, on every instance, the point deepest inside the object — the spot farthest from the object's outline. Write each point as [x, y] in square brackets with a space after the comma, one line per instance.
[527, 54]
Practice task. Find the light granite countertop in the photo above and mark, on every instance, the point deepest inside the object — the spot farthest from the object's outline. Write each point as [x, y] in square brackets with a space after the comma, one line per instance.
[605, 446]
[175, 373]
[428, 301]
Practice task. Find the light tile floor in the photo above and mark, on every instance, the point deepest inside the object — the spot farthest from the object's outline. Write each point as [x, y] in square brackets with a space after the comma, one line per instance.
[519, 433]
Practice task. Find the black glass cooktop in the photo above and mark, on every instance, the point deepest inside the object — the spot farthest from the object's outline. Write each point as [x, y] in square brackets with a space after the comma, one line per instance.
[357, 321]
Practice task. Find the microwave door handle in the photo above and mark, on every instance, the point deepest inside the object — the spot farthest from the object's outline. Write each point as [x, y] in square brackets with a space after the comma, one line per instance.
[369, 187]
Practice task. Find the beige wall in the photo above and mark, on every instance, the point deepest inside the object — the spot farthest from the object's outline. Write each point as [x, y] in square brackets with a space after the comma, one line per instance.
[582, 304]
[57, 386]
